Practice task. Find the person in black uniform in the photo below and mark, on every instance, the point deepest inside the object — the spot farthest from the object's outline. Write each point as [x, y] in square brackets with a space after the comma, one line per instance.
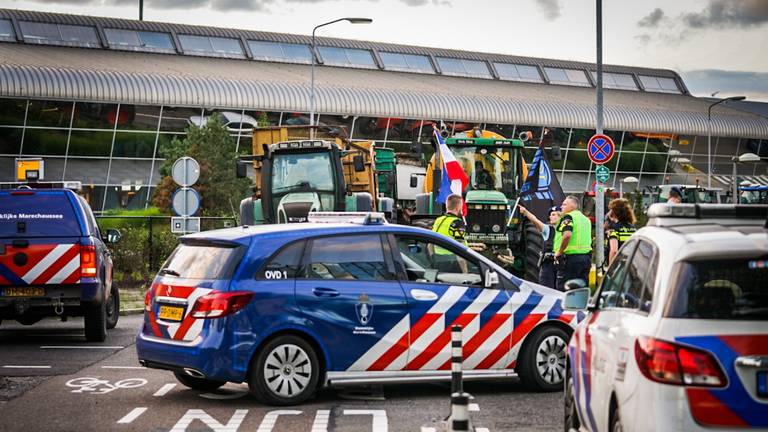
[483, 179]
[623, 224]
[547, 269]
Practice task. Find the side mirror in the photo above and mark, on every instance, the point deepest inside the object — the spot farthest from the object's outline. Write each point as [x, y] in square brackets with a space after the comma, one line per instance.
[576, 299]
[241, 169]
[113, 235]
[359, 162]
[491, 278]
[414, 181]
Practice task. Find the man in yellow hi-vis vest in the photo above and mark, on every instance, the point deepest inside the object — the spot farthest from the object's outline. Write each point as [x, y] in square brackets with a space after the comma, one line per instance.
[452, 225]
[573, 243]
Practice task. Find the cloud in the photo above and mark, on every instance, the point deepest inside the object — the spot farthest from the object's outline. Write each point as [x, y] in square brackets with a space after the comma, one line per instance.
[219, 5]
[652, 20]
[550, 8]
[704, 82]
[727, 14]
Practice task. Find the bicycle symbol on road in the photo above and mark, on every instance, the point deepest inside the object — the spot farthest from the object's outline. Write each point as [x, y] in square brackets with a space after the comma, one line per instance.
[100, 386]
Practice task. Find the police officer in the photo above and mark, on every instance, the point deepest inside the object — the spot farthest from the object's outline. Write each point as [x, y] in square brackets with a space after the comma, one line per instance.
[547, 270]
[572, 243]
[623, 224]
[675, 196]
[452, 225]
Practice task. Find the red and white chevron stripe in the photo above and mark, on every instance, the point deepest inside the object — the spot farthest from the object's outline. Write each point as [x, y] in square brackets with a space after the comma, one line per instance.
[46, 264]
[188, 328]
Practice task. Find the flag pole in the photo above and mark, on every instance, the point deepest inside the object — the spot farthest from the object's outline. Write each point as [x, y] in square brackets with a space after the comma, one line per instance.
[512, 215]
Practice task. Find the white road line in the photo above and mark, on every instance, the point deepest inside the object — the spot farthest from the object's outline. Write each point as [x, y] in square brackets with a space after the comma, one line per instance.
[25, 367]
[123, 367]
[428, 429]
[482, 430]
[380, 423]
[164, 389]
[80, 347]
[474, 407]
[133, 415]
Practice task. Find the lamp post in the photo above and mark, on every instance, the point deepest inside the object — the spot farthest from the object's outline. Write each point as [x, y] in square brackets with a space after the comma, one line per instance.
[709, 135]
[626, 180]
[744, 158]
[312, 55]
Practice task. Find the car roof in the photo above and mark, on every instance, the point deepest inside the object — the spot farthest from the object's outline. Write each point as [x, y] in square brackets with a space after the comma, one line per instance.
[243, 234]
[710, 239]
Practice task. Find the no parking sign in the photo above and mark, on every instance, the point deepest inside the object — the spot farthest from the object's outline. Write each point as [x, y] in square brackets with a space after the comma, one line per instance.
[600, 149]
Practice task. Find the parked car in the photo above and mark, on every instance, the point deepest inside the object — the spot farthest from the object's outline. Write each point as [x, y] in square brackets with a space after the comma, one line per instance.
[677, 335]
[54, 262]
[234, 122]
[291, 308]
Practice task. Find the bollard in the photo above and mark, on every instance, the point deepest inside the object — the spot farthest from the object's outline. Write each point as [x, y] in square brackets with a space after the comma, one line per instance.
[459, 420]
[456, 359]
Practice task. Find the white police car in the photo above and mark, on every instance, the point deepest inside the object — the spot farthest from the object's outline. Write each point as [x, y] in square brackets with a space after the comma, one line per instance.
[289, 308]
[676, 338]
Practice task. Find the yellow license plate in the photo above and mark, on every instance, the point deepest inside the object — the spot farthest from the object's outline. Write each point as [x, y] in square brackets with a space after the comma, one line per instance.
[171, 313]
[23, 292]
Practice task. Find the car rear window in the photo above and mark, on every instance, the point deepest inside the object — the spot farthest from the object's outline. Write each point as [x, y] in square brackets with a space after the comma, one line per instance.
[722, 289]
[37, 214]
[202, 261]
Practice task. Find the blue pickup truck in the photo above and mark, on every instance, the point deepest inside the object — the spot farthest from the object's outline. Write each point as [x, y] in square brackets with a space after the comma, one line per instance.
[54, 261]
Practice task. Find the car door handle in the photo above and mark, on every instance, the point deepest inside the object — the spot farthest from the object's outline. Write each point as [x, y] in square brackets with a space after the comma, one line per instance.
[423, 295]
[325, 292]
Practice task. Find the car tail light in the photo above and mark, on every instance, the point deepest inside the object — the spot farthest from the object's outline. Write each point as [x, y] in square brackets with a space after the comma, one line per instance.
[87, 261]
[219, 304]
[671, 363]
[22, 193]
[148, 299]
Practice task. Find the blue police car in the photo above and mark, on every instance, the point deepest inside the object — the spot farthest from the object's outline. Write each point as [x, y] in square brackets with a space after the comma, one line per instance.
[290, 308]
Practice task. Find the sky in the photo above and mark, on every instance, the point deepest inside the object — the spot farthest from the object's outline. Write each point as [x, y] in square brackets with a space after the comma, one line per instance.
[716, 45]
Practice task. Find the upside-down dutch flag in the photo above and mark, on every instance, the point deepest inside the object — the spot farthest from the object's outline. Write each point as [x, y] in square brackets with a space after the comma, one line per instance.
[454, 179]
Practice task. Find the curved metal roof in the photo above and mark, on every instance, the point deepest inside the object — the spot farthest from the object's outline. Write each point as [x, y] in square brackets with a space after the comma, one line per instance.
[142, 78]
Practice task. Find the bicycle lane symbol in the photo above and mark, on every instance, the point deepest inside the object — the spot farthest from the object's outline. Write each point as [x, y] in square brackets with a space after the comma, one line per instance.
[99, 386]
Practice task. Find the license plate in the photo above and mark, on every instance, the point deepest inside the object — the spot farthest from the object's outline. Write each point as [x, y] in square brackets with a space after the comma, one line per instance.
[22, 292]
[762, 384]
[171, 313]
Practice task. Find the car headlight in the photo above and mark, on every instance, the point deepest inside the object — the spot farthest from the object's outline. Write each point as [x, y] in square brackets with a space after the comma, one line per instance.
[496, 228]
[476, 228]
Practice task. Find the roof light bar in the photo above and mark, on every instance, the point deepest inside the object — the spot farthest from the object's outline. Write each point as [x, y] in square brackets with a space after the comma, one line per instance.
[362, 218]
[302, 144]
[708, 211]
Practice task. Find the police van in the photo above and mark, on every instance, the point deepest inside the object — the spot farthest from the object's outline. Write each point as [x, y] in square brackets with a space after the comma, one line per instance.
[291, 308]
[677, 335]
[54, 261]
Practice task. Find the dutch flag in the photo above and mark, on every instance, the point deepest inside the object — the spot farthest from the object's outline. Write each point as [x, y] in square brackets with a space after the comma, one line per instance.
[454, 179]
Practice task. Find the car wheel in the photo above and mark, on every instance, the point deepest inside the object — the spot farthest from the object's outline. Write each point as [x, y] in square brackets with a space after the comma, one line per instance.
[198, 383]
[542, 361]
[285, 371]
[113, 308]
[571, 415]
[96, 322]
[615, 419]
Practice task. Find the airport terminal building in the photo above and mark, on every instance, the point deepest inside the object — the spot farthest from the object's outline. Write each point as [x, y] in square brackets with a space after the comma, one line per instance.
[97, 97]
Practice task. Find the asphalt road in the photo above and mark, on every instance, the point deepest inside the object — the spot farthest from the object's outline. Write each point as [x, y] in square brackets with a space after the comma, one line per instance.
[92, 389]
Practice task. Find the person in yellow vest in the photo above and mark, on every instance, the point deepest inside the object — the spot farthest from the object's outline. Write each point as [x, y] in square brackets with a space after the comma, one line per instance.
[452, 225]
[573, 243]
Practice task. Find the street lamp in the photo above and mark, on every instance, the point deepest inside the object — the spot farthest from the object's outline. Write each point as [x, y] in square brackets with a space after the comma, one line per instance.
[627, 180]
[744, 158]
[312, 55]
[709, 135]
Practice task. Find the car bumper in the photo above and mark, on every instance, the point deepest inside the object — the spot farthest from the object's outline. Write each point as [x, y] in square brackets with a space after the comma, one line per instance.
[68, 297]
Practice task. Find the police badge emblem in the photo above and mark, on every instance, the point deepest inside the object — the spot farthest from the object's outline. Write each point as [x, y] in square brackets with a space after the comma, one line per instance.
[364, 310]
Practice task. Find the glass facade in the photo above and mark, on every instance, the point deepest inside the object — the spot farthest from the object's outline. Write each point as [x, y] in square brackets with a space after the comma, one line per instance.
[113, 148]
[573, 77]
[281, 52]
[348, 57]
[406, 62]
[211, 46]
[514, 72]
[463, 67]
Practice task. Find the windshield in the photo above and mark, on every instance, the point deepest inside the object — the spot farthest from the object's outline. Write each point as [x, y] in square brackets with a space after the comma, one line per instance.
[488, 168]
[302, 172]
[723, 289]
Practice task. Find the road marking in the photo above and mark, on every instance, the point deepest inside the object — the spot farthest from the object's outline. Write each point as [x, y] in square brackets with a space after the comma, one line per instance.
[25, 367]
[474, 407]
[482, 430]
[380, 423]
[428, 429]
[133, 415]
[197, 414]
[321, 421]
[164, 389]
[123, 367]
[81, 347]
[271, 418]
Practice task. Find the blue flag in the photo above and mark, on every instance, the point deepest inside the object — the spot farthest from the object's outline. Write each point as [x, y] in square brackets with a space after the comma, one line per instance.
[541, 189]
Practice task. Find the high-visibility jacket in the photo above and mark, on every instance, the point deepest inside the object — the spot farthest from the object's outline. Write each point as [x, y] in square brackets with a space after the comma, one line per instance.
[450, 226]
[581, 234]
[622, 233]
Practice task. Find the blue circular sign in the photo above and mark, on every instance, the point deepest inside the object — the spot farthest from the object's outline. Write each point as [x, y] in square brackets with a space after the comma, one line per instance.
[600, 148]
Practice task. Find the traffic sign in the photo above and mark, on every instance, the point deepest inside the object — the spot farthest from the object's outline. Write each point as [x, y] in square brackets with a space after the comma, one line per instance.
[598, 188]
[183, 225]
[185, 171]
[602, 174]
[186, 201]
[600, 148]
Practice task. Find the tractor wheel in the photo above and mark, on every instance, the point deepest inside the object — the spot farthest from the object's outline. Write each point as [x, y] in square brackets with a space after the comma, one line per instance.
[534, 243]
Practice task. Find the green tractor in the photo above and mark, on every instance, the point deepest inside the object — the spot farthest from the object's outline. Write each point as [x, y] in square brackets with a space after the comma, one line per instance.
[496, 171]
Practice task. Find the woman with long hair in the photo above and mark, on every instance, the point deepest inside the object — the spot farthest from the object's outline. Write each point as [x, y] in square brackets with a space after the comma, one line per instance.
[622, 225]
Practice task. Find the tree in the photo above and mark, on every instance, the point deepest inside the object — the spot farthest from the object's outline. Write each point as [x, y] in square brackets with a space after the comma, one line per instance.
[219, 188]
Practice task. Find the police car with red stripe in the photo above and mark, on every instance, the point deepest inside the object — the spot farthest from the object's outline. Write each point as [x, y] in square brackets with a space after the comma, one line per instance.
[677, 336]
[53, 260]
[290, 308]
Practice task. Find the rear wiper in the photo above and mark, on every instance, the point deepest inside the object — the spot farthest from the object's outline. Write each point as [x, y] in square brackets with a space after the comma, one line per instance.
[167, 271]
